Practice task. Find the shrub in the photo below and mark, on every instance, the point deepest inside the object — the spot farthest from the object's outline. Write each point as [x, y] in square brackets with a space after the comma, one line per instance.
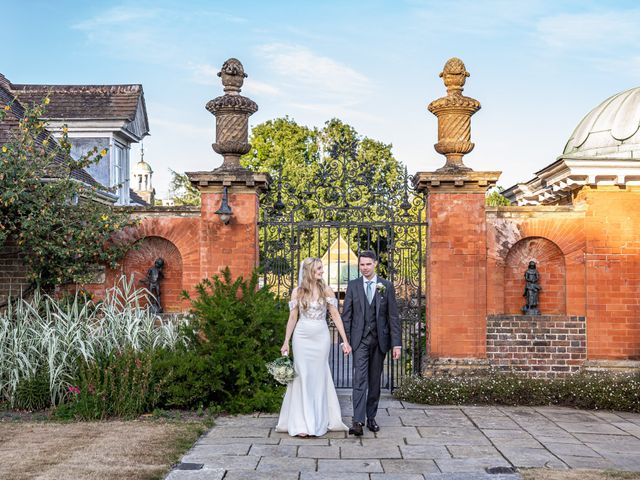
[60, 226]
[189, 377]
[592, 391]
[117, 384]
[236, 329]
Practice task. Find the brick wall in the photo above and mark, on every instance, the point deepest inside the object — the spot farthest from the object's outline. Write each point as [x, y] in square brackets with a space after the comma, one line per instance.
[539, 346]
[194, 243]
[13, 273]
[553, 236]
[612, 264]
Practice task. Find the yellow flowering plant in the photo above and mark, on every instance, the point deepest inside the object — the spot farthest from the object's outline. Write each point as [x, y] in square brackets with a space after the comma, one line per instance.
[59, 226]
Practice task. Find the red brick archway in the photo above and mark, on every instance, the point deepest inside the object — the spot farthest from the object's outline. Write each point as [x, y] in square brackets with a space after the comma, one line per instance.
[551, 266]
[140, 259]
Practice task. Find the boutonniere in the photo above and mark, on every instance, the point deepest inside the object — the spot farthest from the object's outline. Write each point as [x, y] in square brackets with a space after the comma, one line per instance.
[380, 288]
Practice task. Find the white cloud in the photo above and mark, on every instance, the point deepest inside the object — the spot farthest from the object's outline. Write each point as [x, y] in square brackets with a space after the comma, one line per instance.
[183, 129]
[205, 74]
[301, 69]
[591, 31]
[154, 35]
[341, 111]
[260, 88]
[474, 18]
[115, 16]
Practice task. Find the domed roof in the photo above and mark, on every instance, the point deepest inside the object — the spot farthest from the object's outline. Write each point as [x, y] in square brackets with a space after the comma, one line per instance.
[142, 167]
[612, 129]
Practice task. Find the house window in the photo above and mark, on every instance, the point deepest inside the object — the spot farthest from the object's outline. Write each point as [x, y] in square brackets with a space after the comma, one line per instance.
[120, 172]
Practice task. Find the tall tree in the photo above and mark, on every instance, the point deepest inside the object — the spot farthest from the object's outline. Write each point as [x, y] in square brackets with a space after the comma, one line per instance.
[181, 191]
[61, 225]
[331, 166]
[494, 197]
[331, 174]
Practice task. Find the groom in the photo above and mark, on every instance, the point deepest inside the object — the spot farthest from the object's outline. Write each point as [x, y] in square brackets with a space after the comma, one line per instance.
[370, 317]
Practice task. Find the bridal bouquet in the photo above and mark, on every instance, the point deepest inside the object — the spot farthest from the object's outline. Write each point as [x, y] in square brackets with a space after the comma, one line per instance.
[282, 370]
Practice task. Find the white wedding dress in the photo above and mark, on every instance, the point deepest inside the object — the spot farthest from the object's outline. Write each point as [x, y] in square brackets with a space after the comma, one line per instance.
[311, 404]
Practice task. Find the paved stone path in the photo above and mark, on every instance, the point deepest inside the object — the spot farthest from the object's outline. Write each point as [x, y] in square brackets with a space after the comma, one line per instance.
[418, 442]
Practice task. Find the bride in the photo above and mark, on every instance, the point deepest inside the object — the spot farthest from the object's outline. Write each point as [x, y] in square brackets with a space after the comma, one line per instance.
[311, 406]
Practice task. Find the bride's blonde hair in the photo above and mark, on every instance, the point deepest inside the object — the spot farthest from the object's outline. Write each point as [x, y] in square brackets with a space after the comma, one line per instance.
[308, 282]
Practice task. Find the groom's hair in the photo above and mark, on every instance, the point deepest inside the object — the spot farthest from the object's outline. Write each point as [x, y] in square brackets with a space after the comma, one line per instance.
[368, 254]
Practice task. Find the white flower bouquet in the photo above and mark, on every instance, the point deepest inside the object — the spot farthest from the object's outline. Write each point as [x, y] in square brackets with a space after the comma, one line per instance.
[282, 370]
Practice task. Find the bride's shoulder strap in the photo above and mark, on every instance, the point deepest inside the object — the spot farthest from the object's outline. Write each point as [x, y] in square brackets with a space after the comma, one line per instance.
[293, 303]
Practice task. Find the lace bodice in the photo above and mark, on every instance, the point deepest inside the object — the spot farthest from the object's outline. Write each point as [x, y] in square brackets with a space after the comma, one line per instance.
[316, 311]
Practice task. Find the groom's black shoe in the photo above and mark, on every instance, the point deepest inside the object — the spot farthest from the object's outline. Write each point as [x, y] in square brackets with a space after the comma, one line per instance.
[372, 425]
[356, 429]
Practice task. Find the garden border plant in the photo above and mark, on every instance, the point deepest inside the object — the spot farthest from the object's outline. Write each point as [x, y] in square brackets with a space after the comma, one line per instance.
[235, 328]
[46, 343]
[600, 391]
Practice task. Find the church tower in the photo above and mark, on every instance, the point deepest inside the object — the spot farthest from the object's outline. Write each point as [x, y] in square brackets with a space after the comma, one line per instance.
[142, 183]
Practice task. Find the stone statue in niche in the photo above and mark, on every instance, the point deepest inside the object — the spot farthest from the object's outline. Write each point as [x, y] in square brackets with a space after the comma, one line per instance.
[152, 280]
[531, 290]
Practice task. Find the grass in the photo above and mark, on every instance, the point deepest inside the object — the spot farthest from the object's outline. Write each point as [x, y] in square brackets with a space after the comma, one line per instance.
[577, 474]
[143, 449]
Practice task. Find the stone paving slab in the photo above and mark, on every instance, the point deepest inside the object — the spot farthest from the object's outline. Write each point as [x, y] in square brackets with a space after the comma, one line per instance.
[254, 475]
[380, 450]
[349, 466]
[455, 465]
[204, 474]
[472, 451]
[397, 476]
[313, 451]
[418, 442]
[332, 476]
[239, 449]
[533, 457]
[274, 464]
[412, 466]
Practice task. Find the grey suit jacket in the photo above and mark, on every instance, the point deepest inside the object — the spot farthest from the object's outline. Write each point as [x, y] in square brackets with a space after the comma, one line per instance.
[387, 321]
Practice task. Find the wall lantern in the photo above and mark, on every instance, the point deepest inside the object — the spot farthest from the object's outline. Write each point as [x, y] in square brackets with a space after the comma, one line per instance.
[225, 210]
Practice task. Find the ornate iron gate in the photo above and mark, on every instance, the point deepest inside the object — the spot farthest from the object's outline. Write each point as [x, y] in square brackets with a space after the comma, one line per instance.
[347, 207]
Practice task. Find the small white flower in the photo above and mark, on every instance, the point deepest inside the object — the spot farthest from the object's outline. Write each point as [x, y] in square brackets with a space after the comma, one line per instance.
[380, 287]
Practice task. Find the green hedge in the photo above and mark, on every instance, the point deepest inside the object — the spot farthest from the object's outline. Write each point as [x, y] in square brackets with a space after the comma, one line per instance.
[236, 328]
[590, 391]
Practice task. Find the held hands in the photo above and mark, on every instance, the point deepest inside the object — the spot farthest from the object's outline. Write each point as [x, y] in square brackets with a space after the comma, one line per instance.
[284, 349]
[396, 352]
[346, 348]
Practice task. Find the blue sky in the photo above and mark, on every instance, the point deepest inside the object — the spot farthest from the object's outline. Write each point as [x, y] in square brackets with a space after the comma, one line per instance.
[537, 67]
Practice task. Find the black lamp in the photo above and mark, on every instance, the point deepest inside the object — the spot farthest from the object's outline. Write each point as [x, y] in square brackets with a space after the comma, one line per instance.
[225, 210]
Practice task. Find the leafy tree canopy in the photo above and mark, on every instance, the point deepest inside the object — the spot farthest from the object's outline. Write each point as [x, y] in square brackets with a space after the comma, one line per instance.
[181, 190]
[494, 197]
[61, 226]
[329, 166]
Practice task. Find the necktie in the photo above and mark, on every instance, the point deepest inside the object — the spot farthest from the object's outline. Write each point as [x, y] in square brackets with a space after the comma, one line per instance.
[369, 292]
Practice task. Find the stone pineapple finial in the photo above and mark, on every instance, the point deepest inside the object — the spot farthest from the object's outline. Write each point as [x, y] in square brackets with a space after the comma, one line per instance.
[454, 117]
[232, 112]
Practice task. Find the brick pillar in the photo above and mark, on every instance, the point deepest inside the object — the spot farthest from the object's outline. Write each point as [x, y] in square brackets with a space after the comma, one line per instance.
[234, 244]
[456, 241]
[456, 262]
